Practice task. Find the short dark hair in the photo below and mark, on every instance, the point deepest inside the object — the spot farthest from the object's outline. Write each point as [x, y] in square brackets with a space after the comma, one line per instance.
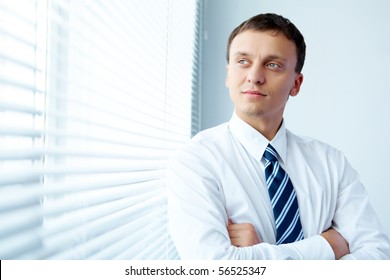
[270, 21]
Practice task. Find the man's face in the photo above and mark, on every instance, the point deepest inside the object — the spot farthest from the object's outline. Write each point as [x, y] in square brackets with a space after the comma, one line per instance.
[261, 75]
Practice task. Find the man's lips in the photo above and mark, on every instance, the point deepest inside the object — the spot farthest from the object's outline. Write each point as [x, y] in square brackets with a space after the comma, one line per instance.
[253, 92]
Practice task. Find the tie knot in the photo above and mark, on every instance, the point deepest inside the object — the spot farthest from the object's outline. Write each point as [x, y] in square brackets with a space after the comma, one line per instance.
[270, 153]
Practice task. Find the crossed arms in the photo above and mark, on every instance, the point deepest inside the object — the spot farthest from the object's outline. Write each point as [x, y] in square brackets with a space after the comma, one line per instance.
[243, 235]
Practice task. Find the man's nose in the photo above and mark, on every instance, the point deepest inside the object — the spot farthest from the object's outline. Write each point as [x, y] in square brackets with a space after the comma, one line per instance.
[256, 75]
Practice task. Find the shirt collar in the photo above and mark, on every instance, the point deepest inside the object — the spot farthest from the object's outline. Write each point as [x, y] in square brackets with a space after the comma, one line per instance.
[254, 142]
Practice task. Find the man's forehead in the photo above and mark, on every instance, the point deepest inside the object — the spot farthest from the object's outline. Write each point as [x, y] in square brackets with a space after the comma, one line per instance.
[250, 40]
[251, 33]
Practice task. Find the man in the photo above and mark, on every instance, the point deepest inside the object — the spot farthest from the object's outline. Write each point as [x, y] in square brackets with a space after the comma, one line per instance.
[250, 188]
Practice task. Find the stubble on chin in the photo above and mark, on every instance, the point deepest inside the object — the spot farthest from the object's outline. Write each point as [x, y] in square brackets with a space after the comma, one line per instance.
[250, 114]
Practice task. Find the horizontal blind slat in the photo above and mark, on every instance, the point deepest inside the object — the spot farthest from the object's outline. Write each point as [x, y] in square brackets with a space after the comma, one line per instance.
[4, 106]
[107, 245]
[16, 197]
[140, 228]
[14, 60]
[157, 234]
[14, 246]
[32, 238]
[98, 227]
[20, 84]
[36, 174]
[151, 246]
[129, 153]
[124, 196]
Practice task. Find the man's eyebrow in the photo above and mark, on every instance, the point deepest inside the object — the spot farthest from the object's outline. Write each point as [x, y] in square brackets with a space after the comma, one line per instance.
[269, 57]
[275, 57]
[241, 54]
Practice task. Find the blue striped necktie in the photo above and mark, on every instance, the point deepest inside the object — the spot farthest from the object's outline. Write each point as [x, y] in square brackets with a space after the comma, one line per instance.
[283, 200]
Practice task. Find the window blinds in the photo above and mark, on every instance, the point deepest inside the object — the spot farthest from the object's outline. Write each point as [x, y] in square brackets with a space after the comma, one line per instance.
[94, 98]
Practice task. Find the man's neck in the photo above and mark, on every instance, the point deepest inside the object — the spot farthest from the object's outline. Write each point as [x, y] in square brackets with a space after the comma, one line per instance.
[267, 127]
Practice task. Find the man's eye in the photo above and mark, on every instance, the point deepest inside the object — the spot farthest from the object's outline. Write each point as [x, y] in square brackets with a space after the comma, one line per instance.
[243, 61]
[273, 65]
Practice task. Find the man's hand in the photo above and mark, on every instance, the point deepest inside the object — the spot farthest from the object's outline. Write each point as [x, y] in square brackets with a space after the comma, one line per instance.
[242, 235]
[339, 245]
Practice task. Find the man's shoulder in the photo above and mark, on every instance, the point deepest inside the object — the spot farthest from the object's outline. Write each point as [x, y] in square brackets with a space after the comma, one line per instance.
[311, 144]
[211, 136]
[202, 146]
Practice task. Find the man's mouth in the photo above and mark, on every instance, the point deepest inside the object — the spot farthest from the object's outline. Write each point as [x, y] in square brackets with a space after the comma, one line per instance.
[253, 92]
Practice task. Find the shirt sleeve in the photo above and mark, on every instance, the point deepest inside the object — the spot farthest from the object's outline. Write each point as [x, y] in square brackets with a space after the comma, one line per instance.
[356, 220]
[198, 219]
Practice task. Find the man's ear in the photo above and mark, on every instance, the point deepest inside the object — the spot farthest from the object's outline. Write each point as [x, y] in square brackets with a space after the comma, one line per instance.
[227, 76]
[297, 85]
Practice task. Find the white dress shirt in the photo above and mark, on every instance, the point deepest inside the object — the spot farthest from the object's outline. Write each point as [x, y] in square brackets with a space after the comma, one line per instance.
[219, 175]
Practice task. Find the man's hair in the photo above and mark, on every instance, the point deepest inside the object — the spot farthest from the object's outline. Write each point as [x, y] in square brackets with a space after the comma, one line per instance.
[277, 23]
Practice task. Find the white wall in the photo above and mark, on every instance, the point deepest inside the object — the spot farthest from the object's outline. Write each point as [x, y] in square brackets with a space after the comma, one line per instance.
[345, 96]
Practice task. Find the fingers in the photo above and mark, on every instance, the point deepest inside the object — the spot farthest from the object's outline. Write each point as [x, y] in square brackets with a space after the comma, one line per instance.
[242, 235]
[339, 245]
